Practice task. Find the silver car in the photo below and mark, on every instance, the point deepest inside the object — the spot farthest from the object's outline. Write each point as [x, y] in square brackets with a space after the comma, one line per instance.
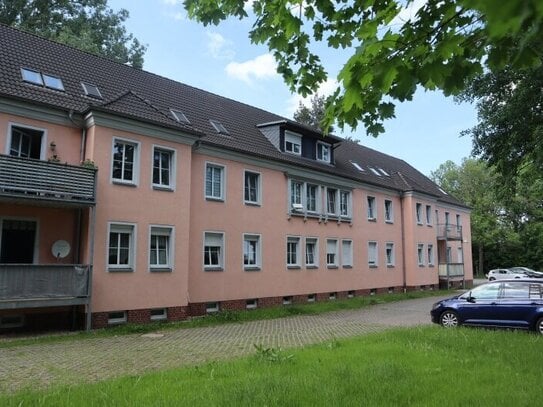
[501, 274]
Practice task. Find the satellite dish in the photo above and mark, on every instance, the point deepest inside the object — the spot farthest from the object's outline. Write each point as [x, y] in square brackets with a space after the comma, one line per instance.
[60, 249]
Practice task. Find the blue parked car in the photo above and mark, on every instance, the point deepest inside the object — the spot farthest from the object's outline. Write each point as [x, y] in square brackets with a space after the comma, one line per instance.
[503, 303]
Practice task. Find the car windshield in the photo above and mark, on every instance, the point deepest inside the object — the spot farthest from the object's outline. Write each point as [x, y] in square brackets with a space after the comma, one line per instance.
[483, 292]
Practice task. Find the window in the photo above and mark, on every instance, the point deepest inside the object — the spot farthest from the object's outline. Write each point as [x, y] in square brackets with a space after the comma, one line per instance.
[287, 300]
[121, 247]
[430, 249]
[437, 217]
[347, 253]
[213, 250]
[251, 252]
[420, 254]
[296, 189]
[160, 248]
[419, 213]
[372, 254]
[251, 187]
[389, 253]
[251, 304]
[323, 152]
[159, 314]
[331, 201]
[293, 252]
[163, 168]
[311, 297]
[447, 218]
[91, 90]
[219, 128]
[428, 215]
[459, 255]
[293, 143]
[52, 82]
[449, 254]
[42, 79]
[214, 182]
[372, 215]
[26, 142]
[116, 317]
[389, 216]
[331, 253]
[357, 166]
[125, 161]
[179, 116]
[311, 252]
[458, 224]
[212, 307]
[345, 203]
[311, 198]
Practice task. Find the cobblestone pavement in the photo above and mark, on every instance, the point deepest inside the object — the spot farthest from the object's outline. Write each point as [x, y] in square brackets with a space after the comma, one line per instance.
[88, 360]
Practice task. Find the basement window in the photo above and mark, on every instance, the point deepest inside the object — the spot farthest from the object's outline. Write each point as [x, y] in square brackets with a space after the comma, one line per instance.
[311, 297]
[287, 300]
[212, 307]
[159, 314]
[116, 317]
[251, 304]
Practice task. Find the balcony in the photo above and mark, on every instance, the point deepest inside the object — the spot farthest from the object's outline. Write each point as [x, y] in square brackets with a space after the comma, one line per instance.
[451, 270]
[33, 286]
[449, 232]
[46, 182]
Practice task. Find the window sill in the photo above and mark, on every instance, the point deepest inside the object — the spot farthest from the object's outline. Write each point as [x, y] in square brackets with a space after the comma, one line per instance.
[431, 265]
[390, 222]
[251, 268]
[331, 266]
[160, 269]
[163, 188]
[213, 199]
[372, 219]
[419, 223]
[293, 267]
[391, 266]
[124, 183]
[217, 268]
[311, 267]
[120, 269]
[430, 226]
[373, 266]
[348, 266]
[421, 265]
[249, 203]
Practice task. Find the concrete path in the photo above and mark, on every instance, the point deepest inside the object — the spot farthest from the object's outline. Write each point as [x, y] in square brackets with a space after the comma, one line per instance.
[89, 360]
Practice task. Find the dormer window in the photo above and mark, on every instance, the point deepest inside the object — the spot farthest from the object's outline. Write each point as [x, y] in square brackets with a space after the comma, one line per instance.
[293, 143]
[323, 152]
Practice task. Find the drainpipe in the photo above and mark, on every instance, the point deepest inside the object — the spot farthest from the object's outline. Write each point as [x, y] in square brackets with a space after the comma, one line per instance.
[404, 273]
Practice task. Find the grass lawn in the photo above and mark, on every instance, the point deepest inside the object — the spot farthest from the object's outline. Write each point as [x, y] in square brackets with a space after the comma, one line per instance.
[426, 366]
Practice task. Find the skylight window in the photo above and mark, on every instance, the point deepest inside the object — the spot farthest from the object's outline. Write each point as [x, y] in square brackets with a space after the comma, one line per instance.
[219, 127]
[91, 90]
[375, 171]
[384, 172]
[441, 189]
[357, 166]
[42, 79]
[179, 116]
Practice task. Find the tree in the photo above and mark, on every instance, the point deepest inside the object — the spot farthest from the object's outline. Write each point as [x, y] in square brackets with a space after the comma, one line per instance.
[443, 46]
[89, 25]
[314, 115]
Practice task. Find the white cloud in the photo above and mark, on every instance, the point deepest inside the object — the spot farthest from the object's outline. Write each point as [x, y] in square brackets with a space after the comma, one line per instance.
[325, 89]
[262, 67]
[219, 47]
[171, 2]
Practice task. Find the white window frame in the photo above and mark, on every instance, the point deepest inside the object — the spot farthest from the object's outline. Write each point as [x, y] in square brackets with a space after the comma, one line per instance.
[117, 320]
[172, 170]
[373, 246]
[347, 255]
[315, 242]
[321, 148]
[371, 207]
[160, 314]
[258, 187]
[336, 202]
[123, 227]
[348, 204]
[295, 140]
[390, 261]
[389, 214]
[430, 252]
[317, 198]
[429, 215]
[420, 254]
[135, 165]
[220, 265]
[418, 213]
[162, 230]
[332, 243]
[458, 223]
[295, 240]
[213, 196]
[252, 237]
[25, 126]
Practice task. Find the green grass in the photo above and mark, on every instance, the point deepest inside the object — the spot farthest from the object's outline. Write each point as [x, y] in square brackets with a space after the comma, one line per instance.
[427, 366]
[224, 317]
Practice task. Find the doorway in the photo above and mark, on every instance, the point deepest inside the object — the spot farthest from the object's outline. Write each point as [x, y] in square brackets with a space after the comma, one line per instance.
[18, 241]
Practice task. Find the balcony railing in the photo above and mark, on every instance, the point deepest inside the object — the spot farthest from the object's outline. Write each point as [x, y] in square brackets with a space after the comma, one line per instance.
[449, 232]
[451, 270]
[28, 178]
[31, 285]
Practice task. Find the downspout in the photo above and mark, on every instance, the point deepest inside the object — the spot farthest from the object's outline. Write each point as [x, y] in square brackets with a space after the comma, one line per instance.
[404, 273]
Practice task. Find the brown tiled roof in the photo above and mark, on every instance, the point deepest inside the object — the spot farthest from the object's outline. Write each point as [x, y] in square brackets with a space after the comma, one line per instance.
[149, 97]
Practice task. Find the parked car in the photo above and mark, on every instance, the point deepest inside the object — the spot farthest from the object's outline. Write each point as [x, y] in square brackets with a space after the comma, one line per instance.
[504, 303]
[527, 271]
[500, 274]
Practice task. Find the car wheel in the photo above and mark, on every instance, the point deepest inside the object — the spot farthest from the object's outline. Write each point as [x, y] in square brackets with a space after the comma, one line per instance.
[491, 279]
[539, 326]
[449, 319]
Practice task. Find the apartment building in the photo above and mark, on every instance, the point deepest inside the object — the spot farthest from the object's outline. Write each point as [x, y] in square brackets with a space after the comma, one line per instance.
[129, 197]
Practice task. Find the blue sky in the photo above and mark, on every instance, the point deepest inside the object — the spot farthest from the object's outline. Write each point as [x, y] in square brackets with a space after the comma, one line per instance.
[221, 60]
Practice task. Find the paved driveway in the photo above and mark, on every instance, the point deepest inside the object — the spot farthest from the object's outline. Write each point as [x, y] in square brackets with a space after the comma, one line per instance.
[101, 358]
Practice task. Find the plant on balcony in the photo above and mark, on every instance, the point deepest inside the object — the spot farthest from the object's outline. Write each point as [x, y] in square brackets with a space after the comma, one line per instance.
[54, 159]
[89, 164]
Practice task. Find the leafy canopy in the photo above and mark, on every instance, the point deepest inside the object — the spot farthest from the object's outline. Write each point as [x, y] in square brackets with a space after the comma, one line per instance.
[313, 115]
[446, 44]
[89, 25]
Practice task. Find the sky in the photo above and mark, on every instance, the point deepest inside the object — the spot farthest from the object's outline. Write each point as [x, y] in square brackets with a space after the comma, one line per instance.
[221, 59]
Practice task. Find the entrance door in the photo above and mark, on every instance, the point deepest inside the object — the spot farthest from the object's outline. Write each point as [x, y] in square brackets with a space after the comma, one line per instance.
[18, 239]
